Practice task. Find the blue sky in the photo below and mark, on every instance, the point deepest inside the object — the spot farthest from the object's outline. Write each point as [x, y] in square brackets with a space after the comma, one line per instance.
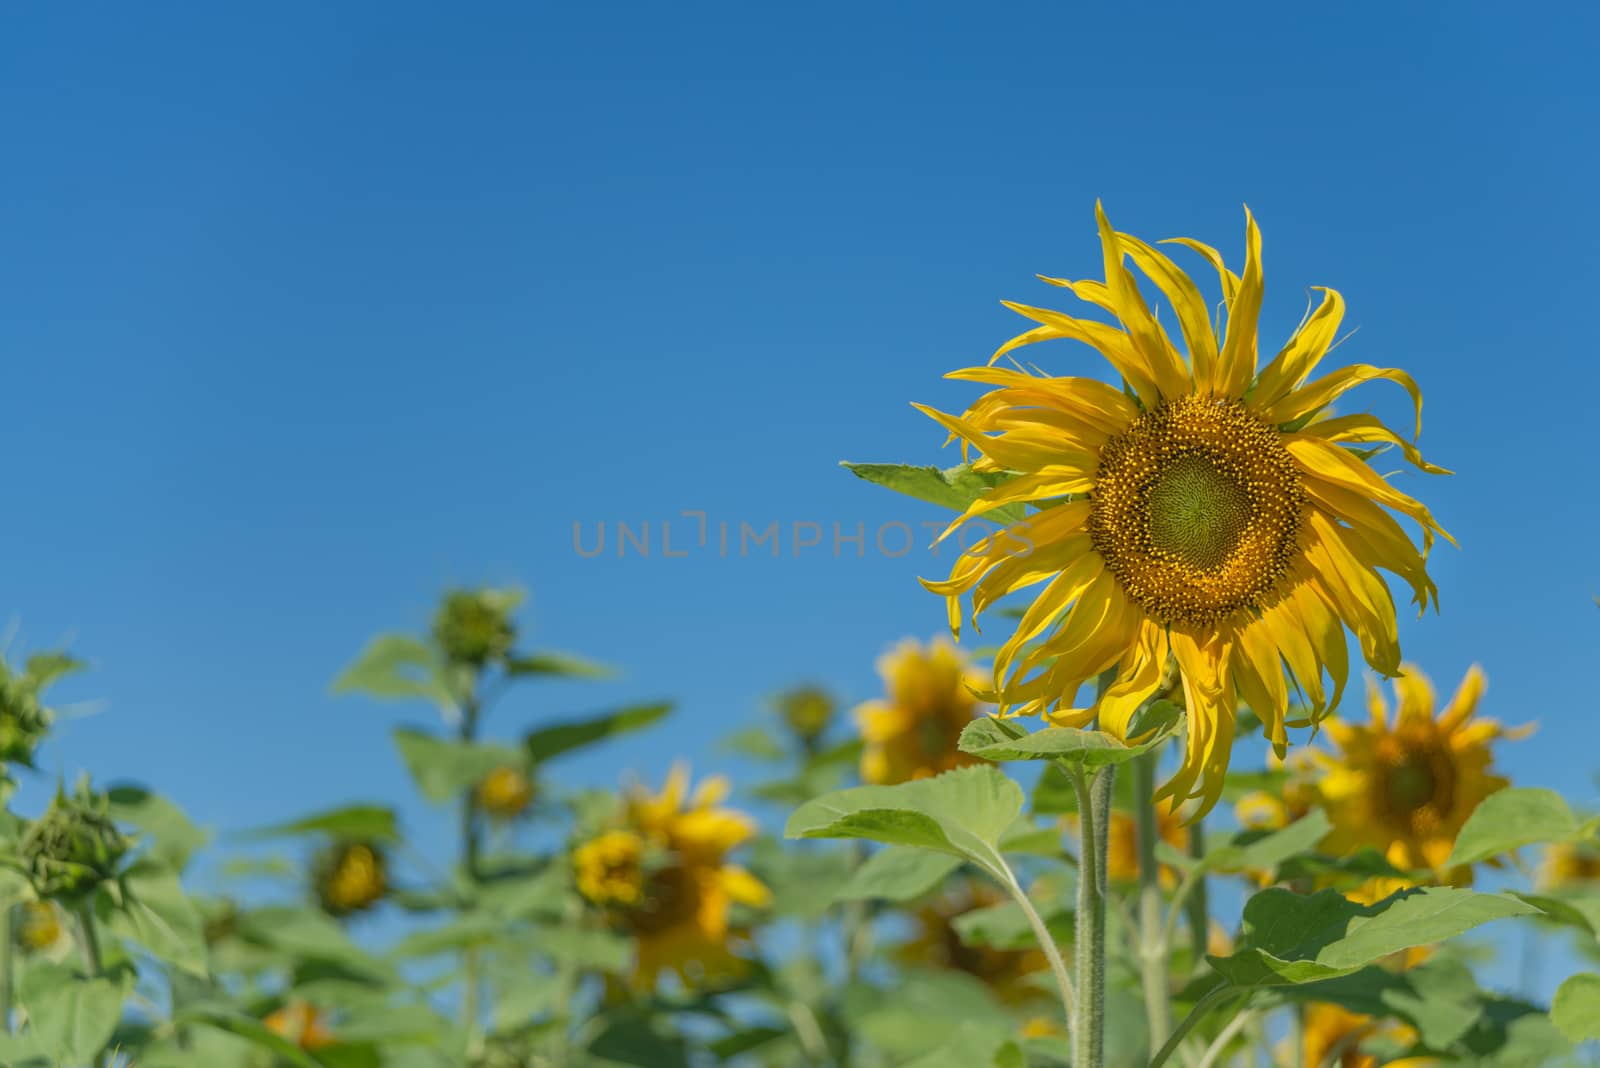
[310, 314]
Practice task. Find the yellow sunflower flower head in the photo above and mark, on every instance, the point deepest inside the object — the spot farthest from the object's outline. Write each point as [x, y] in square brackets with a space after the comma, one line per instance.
[505, 793]
[1208, 511]
[349, 877]
[1334, 1036]
[913, 730]
[1569, 864]
[301, 1024]
[665, 878]
[1405, 782]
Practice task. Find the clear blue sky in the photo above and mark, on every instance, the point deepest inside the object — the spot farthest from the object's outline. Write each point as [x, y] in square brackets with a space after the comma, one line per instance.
[312, 310]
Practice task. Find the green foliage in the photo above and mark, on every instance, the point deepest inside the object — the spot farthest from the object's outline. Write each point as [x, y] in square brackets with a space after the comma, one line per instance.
[547, 743]
[1512, 818]
[954, 487]
[1576, 1008]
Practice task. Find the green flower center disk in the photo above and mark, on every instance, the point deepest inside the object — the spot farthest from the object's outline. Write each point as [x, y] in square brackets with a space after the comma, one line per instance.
[1196, 510]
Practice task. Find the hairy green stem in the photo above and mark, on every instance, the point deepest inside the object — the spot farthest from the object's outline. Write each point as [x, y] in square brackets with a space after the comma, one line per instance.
[1229, 1032]
[1198, 905]
[1047, 942]
[1154, 945]
[1094, 820]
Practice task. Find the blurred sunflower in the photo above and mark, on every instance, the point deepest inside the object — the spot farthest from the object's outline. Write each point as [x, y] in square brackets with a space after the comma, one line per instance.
[349, 877]
[938, 944]
[1208, 511]
[1333, 1036]
[913, 731]
[1262, 810]
[301, 1024]
[505, 793]
[1122, 843]
[664, 878]
[1568, 864]
[1405, 784]
[40, 927]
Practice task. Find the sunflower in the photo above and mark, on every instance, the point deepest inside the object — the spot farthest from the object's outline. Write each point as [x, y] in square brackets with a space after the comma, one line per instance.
[1404, 784]
[40, 927]
[301, 1024]
[1333, 1036]
[349, 877]
[913, 731]
[1122, 843]
[937, 943]
[505, 793]
[1207, 510]
[664, 878]
[1569, 863]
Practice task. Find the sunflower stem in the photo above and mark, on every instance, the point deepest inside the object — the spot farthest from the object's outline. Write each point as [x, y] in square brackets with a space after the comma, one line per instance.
[470, 849]
[5, 969]
[1047, 942]
[1094, 821]
[1155, 945]
[89, 945]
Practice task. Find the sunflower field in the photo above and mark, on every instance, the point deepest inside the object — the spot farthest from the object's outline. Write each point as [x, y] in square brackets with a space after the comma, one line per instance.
[1185, 803]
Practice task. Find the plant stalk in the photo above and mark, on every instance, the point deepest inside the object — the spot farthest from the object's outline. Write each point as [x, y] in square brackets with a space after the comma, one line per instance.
[89, 945]
[470, 856]
[6, 936]
[1094, 820]
[1154, 945]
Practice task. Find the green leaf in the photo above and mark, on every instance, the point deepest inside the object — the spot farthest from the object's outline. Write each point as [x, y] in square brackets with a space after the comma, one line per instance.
[174, 838]
[1511, 818]
[43, 669]
[1439, 998]
[70, 1017]
[971, 1044]
[954, 487]
[443, 768]
[397, 667]
[550, 742]
[1576, 1008]
[962, 812]
[761, 743]
[993, 738]
[1266, 850]
[305, 934]
[158, 915]
[372, 823]
[250, 1029]
[925, 1012]
[1294, 938]
[897, 873]
[563, 665]
[463, 932]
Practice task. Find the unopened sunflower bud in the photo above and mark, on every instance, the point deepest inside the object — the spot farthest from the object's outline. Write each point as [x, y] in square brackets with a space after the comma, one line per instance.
[807, 710]
[23, 721]
[73, 847]
[474, 628]
[349, 877]
[506, 792]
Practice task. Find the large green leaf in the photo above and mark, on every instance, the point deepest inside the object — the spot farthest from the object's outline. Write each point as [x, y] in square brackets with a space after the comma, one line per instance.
[305, 934]
[1511, 818]
[248, 1028]
[993, 738]
[158, 915]
[552, 741]
[954, 487]
[443, 767]
[1439, 998]
[1006, 926]
[70, 1017]
[174, 839]
[397, 667]
[897, 873]
[962, 813]
[372, 823]
[1576, 1008]
[1294, 938]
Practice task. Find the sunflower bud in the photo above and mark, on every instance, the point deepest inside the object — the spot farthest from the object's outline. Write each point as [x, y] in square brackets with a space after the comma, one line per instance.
[474, 628]
[23, 720]
[506, 792]
[349, 877]
[808, 710]
[73, 847]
